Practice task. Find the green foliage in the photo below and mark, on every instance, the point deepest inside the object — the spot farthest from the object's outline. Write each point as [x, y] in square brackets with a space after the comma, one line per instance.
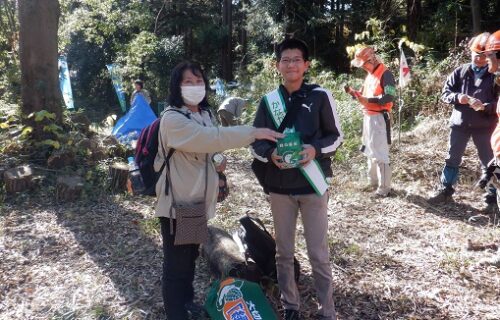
[9, 61]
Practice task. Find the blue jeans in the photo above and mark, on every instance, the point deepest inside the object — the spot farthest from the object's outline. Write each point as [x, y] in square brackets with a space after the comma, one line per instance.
[459, 137]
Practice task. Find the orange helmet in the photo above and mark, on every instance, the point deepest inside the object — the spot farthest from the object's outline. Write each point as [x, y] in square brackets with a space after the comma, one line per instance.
[362, 55]
[493, 42]
[478, 43]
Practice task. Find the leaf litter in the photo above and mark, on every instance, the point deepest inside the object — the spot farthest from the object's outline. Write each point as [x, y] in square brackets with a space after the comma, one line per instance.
[392, 258]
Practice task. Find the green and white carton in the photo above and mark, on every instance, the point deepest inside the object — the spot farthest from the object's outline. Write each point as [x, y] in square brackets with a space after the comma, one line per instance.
[289, 149]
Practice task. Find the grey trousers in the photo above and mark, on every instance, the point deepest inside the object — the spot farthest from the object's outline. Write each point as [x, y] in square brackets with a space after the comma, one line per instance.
[314, 211]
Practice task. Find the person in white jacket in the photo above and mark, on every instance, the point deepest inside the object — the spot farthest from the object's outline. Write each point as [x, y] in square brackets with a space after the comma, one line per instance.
[188, 127]
[230, 111]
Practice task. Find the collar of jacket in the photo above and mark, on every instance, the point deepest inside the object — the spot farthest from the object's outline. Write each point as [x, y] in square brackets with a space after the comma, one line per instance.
[302, 93]
[478, 74]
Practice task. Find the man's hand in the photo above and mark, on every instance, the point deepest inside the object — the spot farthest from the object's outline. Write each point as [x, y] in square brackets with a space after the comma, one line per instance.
[276, 159]
[463, 99]
[363, 100]
[476, 104]
[308, 154]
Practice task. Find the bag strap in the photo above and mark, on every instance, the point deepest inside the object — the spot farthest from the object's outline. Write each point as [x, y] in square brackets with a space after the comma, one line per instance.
[166, 165]
[293, 111]
[171, 150]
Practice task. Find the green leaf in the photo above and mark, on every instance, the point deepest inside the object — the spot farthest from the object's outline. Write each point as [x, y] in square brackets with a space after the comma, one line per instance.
[4, 125]
[52, 143]
[44, 114]
[26, 132]
[54, 128]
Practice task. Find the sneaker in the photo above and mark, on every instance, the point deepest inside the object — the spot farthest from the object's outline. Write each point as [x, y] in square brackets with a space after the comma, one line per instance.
[490, 198]
[382, 193]
[195, 311]
[442, 196]
[291, 315]
[491, 208]
[319, 317]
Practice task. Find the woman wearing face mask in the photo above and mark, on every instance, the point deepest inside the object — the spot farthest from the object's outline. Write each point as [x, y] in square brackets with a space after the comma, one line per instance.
[187, 127]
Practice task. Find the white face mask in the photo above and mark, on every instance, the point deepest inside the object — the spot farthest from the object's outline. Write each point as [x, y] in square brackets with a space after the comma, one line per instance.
[193, 95]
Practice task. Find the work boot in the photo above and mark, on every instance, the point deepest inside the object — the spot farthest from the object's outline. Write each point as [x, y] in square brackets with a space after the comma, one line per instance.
[291, 315]
[444, 195]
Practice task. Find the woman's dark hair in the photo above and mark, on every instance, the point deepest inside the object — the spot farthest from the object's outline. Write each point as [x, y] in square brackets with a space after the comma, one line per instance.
[175, 97]
[292, 43]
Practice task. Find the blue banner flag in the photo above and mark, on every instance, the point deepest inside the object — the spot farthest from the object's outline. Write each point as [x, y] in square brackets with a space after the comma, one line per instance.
[116, 78]
[128, 127]
[65, 83]
[220, 90]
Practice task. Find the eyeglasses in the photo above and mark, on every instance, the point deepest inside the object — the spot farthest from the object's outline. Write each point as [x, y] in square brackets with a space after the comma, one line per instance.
[294, 61]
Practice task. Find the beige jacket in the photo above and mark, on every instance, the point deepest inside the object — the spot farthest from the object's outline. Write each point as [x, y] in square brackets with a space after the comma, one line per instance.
[193, 138]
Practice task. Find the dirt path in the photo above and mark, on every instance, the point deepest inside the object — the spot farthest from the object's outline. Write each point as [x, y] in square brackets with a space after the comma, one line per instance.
[393, 258]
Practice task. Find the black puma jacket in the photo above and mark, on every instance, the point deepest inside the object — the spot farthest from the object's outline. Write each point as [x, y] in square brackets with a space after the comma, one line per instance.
[318, 124]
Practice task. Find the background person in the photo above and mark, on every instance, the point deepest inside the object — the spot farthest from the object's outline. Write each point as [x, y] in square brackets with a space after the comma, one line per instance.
[230, 111]
[471, 90]
[139, 90]
[193, 137]
[376, 97]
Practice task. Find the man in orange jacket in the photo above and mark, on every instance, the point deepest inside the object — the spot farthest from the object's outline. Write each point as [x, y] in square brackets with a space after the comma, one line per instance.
[376, 97]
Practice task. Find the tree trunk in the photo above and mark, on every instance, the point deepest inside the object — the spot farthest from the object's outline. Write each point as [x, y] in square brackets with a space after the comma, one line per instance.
[413, 10]
[18, 179]
[476, 16]
[118, 175]
[227, 61]
[38, 22]
[69, 188]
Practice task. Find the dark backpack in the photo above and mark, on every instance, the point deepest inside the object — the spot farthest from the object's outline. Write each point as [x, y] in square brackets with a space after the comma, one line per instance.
[260, 246]
[145, 153]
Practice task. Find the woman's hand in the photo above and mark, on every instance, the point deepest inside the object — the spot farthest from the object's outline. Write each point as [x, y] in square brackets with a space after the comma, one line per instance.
[222, 166]
[267, 134]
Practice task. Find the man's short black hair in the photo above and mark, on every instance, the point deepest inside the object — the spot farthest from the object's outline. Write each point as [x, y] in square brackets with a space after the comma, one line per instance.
[139, 82]
[292, 43]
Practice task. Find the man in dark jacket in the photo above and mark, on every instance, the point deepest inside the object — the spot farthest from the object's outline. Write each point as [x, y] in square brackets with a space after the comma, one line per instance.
[303, 187]
[471, 90]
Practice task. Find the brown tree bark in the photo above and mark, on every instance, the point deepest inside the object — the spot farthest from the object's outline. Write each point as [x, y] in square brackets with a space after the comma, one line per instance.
[227, 59]
[413, 11]
[476, 16]
[38, 21]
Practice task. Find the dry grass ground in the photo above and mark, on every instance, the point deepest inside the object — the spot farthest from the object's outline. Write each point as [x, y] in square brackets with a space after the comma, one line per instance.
[392, 258]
